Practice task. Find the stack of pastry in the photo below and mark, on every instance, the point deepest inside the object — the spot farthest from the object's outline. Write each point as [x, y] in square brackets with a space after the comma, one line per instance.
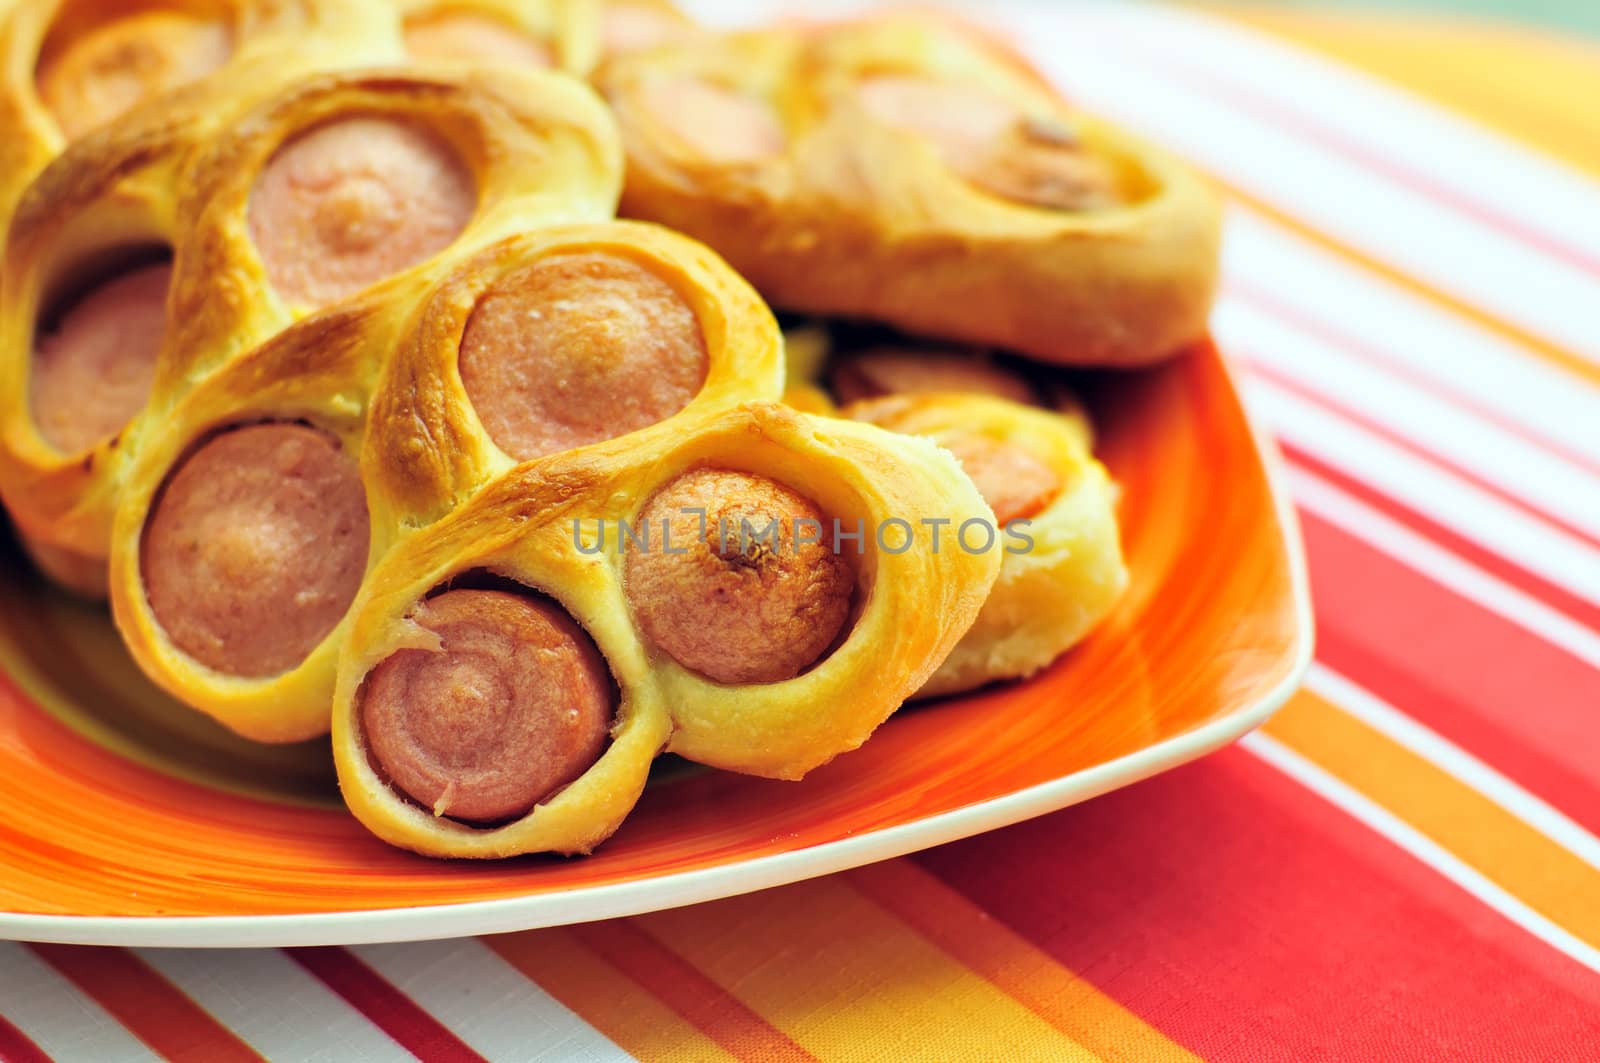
[322, 352]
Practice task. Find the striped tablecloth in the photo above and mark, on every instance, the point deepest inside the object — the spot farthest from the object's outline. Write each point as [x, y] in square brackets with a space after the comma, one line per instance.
[1402, 865]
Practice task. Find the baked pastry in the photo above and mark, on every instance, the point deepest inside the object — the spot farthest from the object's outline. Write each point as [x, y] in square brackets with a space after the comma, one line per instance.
[70, 67]
[570, 35]
[337, 184]
[634, 25]
[248, 524]
[1026, 441]
[905, 170]
[1055, 507]
[622, 601]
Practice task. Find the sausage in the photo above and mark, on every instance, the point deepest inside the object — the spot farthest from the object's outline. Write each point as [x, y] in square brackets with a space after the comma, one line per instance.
[354, 201]
[576, 348]
[107, 70]
[1016, 484]
[632, 27]
[733, 606]
[1035, 160]
[255, 547]
[881, 371]
[514, 705]
[722, 125]
[467, 37]
[93, 369]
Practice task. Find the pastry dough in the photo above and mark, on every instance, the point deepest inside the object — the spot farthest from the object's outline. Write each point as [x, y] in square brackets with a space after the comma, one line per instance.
[421, 444]
[891, 169]
[1063, 569]
[68, 67]
[1027, 442]
[550, 528]
[536, 148]
[570, 35]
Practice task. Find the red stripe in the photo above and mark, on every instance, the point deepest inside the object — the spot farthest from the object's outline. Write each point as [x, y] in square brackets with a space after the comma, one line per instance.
[1310, 393]
[147, 1004]
[1272, 111]
[17, 1047]
[1248, 919]
[1556, 597]
[1359, 350]
[1515, 701]
[389, 1009]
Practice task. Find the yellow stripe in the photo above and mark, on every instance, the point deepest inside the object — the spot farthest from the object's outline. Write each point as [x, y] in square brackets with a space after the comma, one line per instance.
[605, 998]
[1070, 1003]
[1526, 84]
[1524, 862]
[846, 979]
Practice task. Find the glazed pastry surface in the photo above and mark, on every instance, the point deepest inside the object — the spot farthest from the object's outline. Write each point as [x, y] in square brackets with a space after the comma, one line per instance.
[906, 170]
[73, 69]
[266, 270]
[692, 675]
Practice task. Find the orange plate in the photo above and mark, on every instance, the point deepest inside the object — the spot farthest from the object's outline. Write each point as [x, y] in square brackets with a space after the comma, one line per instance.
[131, 821]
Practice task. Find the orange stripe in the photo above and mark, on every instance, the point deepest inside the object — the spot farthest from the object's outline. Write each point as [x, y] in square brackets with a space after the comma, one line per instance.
[152, 1008]
[1056, 994]
[607, 998]
[1522, 82]
[1544, 875]
[1533, 345]
[846, 979]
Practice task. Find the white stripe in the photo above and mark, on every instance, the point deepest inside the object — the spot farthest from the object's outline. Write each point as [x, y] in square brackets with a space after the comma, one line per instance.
[488, 1003]
[1421, 554]
[1447, 249]
[1418, 845]
[1521, 469]
[1432, 491]
[1451, 152]
[274, 1005]
[1456, 762]
[55, 1016]
[1427, 339]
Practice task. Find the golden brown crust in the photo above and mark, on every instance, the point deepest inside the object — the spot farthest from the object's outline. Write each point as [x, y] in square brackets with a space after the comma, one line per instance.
[429, 449]
[538, 148]
[184, 60]
[552, 526]
[473, 561]
[863, 217]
